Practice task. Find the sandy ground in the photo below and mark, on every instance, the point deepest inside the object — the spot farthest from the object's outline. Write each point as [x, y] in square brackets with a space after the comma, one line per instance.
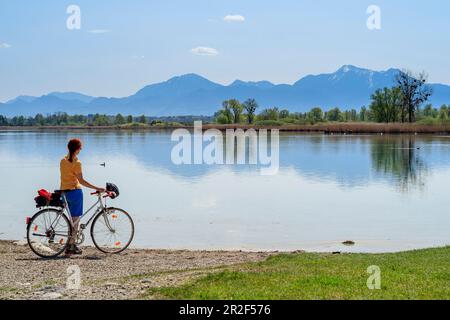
[126, 276]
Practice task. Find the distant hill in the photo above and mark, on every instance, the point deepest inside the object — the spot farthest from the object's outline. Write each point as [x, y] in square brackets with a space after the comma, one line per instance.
[191, 94]
[71, 96]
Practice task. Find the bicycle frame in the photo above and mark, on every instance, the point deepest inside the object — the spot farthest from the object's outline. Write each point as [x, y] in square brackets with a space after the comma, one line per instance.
[100, 204]
[101, 207]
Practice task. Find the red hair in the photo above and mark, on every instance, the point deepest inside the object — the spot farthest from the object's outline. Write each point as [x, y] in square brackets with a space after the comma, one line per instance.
[74, 145]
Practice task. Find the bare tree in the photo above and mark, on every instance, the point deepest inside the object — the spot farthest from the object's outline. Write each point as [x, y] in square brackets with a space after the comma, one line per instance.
[414, 91]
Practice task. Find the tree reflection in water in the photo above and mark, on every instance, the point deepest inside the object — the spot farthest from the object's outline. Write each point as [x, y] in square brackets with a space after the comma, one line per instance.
[398, 158]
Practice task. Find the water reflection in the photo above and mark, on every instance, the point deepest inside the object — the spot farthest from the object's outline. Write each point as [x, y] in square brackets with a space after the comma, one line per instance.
[399, 159]
[323, 192]
[351, 161]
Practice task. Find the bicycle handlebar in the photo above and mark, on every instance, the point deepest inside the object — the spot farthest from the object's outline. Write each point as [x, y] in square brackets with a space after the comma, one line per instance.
[108, 193]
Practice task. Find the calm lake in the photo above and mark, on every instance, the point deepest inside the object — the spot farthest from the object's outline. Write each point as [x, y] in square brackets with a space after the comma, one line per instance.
[386, 193]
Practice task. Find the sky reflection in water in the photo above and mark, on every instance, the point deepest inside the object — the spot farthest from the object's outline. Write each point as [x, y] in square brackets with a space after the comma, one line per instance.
[384, 192]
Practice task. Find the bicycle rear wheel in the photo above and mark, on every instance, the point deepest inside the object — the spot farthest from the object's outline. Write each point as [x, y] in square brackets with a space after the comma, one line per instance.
[112, 230]
[48, 233]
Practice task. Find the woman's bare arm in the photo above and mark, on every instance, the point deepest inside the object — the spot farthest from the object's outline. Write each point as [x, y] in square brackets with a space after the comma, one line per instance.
[87, 184]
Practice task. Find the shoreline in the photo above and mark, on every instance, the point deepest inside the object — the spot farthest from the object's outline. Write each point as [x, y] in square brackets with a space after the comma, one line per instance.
[128, 275]
[324, 128]
[357, 246]
[138, 273]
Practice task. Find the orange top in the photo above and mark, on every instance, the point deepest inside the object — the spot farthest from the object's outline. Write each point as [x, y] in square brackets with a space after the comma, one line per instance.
[69, 171]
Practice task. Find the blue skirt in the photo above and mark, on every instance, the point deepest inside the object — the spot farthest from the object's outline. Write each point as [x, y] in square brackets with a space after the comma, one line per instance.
[75, 201]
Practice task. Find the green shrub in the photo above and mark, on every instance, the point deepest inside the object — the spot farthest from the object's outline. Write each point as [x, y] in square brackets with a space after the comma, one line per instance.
[429, 121]
[134, 125]
[222, 119]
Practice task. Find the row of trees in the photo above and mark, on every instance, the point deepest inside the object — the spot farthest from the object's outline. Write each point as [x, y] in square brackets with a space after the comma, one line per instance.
[61, 119]
[443, 113]
[64, 119]
[313, 116]
[233, 111]
[401, 103]
[376, 113]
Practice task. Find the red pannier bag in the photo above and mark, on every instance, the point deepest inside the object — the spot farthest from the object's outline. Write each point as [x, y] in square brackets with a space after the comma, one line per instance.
[48, 199]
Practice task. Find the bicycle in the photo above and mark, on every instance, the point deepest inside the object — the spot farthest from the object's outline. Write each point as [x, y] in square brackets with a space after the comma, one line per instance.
[49, 230]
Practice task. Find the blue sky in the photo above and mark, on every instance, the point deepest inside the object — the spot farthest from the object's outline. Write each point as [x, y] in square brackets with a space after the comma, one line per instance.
[124, 45]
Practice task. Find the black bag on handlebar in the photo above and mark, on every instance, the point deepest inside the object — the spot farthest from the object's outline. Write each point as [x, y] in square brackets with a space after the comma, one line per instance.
[111, 187]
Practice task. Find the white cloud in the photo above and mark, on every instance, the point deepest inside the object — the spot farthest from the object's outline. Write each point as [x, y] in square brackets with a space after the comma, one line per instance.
[234, 18]
[5, 46]
[205, 51]
[99, 31]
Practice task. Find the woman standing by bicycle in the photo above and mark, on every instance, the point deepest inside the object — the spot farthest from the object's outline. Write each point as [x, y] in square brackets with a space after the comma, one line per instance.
[71, 182]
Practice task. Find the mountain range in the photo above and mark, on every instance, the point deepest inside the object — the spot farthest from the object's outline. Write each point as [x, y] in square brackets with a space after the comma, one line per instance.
[191, 94]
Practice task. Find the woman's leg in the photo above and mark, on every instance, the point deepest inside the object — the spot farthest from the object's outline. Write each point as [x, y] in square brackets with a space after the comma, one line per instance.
[76, 228]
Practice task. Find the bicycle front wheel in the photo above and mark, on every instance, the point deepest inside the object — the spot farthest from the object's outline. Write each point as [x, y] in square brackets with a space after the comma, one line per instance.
[48, 233]
[112, 230]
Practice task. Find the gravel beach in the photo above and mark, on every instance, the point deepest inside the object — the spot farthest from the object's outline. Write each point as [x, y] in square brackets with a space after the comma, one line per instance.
[129, 275]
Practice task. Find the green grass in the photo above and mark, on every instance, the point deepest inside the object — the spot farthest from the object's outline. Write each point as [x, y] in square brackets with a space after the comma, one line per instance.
[420, 274]
[8, 290]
